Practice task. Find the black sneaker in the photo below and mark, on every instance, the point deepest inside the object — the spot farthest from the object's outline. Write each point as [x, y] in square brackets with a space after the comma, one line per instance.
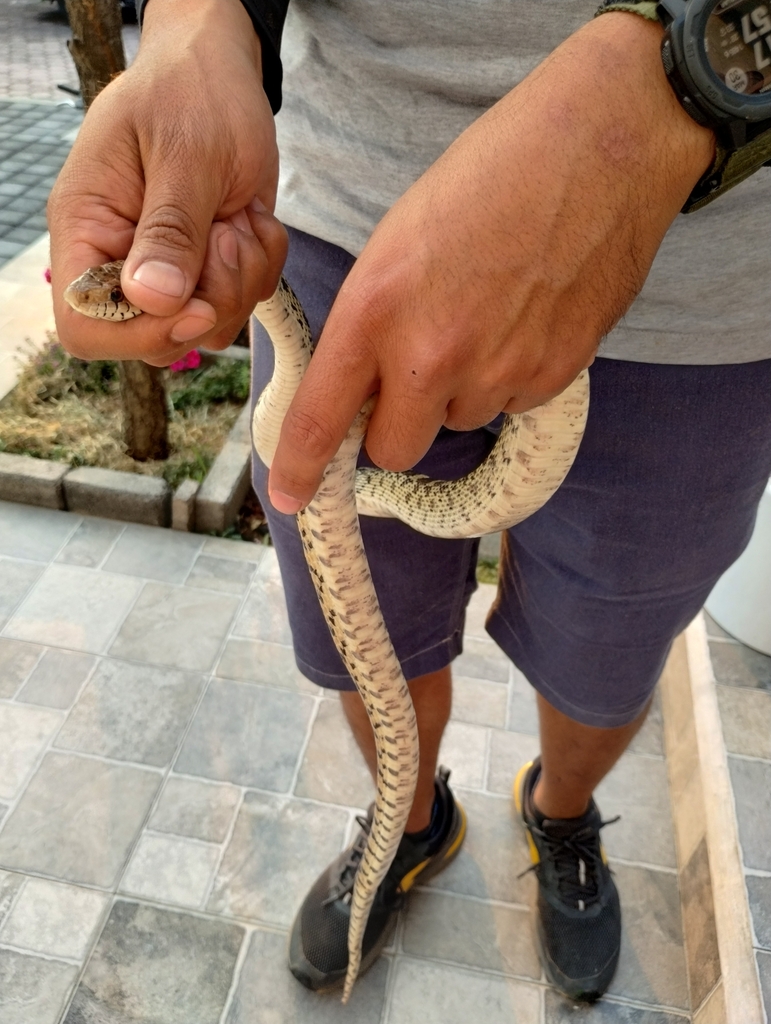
[318, 946]
[578, 914]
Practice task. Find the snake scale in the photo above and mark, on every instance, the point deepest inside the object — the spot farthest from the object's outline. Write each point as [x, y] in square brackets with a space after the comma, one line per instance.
[529, 461]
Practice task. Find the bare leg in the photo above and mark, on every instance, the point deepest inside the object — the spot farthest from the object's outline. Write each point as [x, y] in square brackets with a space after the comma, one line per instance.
[432, 697]
[574, 759]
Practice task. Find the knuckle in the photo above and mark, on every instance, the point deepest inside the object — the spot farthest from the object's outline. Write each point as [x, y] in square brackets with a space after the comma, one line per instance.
[170, 227]
[309, 434]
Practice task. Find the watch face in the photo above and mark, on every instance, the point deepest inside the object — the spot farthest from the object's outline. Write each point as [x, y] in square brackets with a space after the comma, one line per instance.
[738, 45]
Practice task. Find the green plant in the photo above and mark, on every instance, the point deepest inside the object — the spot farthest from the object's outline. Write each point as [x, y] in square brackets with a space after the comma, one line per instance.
[224, 381]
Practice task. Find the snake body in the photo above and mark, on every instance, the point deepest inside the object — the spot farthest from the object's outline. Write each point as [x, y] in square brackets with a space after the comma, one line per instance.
[528, 462]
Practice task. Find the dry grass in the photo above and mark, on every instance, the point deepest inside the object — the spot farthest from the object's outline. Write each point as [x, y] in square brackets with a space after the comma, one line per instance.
[69, 411]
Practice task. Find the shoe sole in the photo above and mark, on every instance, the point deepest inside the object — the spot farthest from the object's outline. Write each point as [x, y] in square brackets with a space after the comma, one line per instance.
[313, 979]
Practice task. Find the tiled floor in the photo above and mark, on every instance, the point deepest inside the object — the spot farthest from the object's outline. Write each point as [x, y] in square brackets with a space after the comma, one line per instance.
[170, 786]
[744, 695]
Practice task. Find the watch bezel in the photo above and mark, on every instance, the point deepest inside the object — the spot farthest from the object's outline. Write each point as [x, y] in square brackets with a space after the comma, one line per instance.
[715, 94]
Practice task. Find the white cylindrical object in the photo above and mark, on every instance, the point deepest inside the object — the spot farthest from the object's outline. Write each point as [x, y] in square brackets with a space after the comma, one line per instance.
[740, 601]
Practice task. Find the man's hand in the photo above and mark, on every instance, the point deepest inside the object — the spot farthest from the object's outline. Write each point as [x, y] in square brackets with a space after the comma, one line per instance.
[490, 283]
[175, 168]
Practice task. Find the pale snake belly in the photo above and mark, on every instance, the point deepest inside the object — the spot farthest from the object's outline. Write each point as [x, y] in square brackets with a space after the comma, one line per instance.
[529, 461]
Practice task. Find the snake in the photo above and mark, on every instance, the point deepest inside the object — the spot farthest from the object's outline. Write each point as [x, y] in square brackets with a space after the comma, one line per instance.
[529, 461]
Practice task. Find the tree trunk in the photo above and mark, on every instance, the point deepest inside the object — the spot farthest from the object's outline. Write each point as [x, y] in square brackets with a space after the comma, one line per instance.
[97, 50]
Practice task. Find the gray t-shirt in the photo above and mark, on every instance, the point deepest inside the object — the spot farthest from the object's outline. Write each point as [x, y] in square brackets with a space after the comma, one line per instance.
[374, 92]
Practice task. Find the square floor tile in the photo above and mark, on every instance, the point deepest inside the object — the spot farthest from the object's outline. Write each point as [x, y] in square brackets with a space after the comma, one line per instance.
[201, 810]
[75, 608]
[16, 581]
[171, 869]
[737, 665]
[278, 848]
[463, 750]
[564, 1011]
[508, 752]
[249, 735]
[479, 702]
[90, 543]
[78, 819]
[745, 715]
[225, 574]
[264, 616]
[153, 553]
[132, 712]
[650, 738]
[242, 551]
[30, 532]
[652, 963]
[53, 918]
[256, 661]
[482, 659]
[25, 733]
[522, 714]
[425, 991]
[759, 892]
[33, 990]
[637, 789]
[158, 966]
[477, 610]
[10, 884]
[57, 678]
[178, 626]
[268, 994]
[487, 935]
[333, 769]
[751, 783]
[16, 662]
[764, 971]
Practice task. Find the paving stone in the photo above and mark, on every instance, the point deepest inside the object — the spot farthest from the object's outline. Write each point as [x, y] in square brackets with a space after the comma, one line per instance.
[751, 783]
[171, 869]
[225, 487]
[10, 884]
[764, 972]
[650, 738]
[16, 662]
[278, 849]
[333, 768]
[3, 811]
[154, 554]
[508, 752]
[77, 819]
[130, 497]
[713, 630]
[563, 1011]
[90, 543]
[696, 900]
[463, 750]
[132, 713]
[16, 580]
[25, 732]
[34, 533]
[482, 659]
[522, 715]
[478, 702]
[267, 993]
[178, 626]
[249, 735]
[223, 574]
[201, 810]
[745, 715]
[22, 478]
[493, 854]
[144, 955]
[652, 964]
[256, 661]
[638, 790]
[57, 678]
[477, 609]
[737, 665]
[469, 932]
[263, 616]
[759, 893]
[33, 990]
[75, 608]
[54, 918]
[425, 991]
[221, 547]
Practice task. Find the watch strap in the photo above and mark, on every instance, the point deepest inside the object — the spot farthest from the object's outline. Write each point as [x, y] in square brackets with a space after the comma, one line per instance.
[729, 168]
[647, 9]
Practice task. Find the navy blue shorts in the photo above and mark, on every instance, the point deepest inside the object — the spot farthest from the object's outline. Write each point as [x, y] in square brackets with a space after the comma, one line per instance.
[596, 585]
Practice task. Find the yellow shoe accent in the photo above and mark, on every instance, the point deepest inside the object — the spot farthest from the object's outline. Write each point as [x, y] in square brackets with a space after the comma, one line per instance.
[411, 877]
[519, 782]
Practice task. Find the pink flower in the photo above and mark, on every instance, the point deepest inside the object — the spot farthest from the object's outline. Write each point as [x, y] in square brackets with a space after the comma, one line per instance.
[191, 361]
[47, 274]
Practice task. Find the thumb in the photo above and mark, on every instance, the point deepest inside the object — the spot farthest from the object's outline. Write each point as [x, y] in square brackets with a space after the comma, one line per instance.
[163, 267]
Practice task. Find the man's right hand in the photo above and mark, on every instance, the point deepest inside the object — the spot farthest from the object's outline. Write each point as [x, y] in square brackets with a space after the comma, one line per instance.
[175, 169]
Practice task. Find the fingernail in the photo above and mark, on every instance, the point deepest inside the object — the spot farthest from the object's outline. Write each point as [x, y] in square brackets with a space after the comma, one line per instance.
[241, 221]
[257, 206]
[161, 277]
[228, 248]
[285, 503]
[189, 328]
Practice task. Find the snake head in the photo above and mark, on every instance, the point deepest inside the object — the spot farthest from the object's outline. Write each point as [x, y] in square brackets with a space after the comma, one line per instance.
[98, 293]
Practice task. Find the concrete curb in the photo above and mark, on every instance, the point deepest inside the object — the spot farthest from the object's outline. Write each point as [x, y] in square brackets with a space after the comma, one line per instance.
[133, 497]
[722, 974]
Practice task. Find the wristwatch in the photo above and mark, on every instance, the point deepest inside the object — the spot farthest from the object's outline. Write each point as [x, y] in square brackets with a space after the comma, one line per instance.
[717, 58]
